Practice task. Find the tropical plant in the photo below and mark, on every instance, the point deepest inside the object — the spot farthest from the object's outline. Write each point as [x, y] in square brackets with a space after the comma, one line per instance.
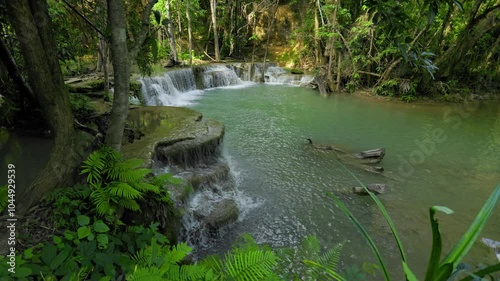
[117, 184]
[309, 262]
[437, 269]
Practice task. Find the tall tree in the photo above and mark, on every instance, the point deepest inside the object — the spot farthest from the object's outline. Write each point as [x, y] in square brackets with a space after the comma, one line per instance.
[171, 31]
[213, 9]
[190, 32]
[32, 24]
[121, 65]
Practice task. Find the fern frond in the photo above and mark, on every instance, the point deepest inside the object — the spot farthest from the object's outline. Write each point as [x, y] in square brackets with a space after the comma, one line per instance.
[128, 203]
[101, 199]
[94, 166]
[123, 190]
[250, 265]
[167, 178]
[214, 262]
[187, 272]
[310, 248]
[145, 187]
[146, 274]
[122, 169]
[331, 258]
[177, 254]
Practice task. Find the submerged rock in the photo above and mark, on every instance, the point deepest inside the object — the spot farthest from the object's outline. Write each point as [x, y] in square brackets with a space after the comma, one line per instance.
[376, 188]
[222, 213]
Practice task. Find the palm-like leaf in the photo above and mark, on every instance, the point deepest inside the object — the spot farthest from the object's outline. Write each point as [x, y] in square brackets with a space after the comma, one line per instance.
[146, 274]
[331, 258]
[124, 190]
[102, 201]
[250, 265]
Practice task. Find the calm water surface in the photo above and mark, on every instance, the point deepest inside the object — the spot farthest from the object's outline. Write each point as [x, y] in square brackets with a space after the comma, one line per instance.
[438, 154]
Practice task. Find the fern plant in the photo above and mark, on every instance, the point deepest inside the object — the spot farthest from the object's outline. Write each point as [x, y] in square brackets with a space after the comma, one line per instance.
[118, 184]
[160, 262]
[309, 262]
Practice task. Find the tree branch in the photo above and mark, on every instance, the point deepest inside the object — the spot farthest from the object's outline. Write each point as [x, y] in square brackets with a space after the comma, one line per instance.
[84, 18]
[144, 30]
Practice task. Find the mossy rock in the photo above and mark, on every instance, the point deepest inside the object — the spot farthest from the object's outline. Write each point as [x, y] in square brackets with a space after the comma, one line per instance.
[135, 88]
[296, 71]
[88, 86]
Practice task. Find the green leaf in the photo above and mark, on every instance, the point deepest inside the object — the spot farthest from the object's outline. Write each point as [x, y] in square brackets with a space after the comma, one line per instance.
[100, 227]
[22, 272]
[384, 212]
[410, 276]
[330, 272]
[465, 243]
[60, 258]
[57, 240]
[49, 251]
[83, 232]
[69, 235]
[437, 242]
[102, 239]
[83, 220]
[363, 232]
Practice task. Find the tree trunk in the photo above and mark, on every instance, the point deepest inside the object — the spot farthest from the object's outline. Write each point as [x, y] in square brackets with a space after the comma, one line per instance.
[121, 73]
[270, 27]
[31, 22]
[121, 59]
[22, 86]
[332, 54]
[190, 33]
[171, 34]
[213, 9]
[467, 39]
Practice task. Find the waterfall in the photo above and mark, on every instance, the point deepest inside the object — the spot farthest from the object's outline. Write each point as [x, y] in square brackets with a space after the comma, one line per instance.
[177, 88]
[181, 87]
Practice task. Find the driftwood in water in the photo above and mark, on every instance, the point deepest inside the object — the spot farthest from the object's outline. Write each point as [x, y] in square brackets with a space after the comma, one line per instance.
[371, 156]
[359, 160]
[376, 188]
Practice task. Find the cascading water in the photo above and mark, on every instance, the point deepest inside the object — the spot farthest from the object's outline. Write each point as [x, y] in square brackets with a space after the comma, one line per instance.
[181, 87]
[216, 202]
[175, 88]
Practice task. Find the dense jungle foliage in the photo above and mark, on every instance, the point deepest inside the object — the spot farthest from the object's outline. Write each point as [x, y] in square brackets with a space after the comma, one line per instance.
[406, 49]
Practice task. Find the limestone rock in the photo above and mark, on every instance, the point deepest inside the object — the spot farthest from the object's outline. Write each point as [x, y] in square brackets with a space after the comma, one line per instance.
[376, 188]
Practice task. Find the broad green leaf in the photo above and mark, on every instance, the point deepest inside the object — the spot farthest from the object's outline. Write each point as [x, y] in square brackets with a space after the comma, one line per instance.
[22, 272]
[100, 226]
[102, 239]
[463, 246]
[83, 220]
[83, 232]
[437, 243]
[49, 251]
[60, 258]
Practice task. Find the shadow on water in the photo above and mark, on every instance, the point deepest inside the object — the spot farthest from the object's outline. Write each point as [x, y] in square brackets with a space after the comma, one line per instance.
[29, 154]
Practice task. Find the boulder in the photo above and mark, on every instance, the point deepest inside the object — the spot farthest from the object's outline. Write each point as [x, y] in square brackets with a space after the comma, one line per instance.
[222, 213]
[376, 188]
